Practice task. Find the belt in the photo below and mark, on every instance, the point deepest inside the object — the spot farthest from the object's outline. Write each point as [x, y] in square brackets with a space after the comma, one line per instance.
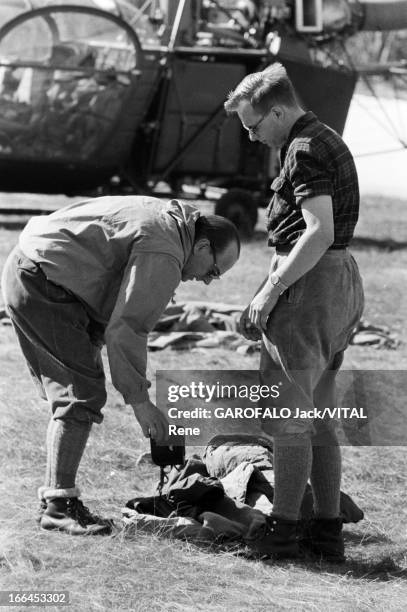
[288, 248]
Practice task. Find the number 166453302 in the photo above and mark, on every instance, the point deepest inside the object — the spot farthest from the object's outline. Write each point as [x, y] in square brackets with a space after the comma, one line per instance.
[32, 598]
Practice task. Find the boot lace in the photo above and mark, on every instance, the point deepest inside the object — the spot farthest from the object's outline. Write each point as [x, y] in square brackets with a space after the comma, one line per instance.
[82, 514]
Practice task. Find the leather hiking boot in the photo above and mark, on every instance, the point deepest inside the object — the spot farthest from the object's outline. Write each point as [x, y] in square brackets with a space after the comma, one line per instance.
[70, 515]
[323, 538]
[276, 538]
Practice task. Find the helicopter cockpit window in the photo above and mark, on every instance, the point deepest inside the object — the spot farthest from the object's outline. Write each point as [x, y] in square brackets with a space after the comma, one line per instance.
[230, 23]
[30, 42]
[64, 77]
[108, 44]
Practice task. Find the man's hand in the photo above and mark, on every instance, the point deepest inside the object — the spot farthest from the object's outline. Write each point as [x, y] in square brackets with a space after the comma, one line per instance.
[246, 328]
[262, 304]
[152, 421]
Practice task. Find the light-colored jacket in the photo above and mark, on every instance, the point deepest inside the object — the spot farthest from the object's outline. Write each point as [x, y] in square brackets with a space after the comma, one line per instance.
[122, 257]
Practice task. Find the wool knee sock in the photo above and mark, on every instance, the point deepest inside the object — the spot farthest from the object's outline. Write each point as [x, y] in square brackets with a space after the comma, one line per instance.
[66, 441]
[326, 480]
[47, 481]
[292, 466]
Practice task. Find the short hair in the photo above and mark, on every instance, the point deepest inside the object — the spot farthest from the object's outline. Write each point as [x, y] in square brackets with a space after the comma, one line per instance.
[218, 230]
[263, 89]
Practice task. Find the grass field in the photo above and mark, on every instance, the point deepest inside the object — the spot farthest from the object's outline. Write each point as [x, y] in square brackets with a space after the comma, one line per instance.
[151, 573]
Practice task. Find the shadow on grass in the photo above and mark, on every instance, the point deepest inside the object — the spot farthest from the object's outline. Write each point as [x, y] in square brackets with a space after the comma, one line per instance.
[382, 566]
[383, 570]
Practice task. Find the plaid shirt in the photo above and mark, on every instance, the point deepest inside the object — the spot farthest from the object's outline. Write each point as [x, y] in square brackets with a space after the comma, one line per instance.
[314, 161]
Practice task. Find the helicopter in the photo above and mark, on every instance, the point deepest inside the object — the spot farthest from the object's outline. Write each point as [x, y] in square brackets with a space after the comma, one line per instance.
[111, 96]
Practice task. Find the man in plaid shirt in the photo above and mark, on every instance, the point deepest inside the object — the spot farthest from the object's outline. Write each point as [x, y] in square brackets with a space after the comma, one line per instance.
[306, 308]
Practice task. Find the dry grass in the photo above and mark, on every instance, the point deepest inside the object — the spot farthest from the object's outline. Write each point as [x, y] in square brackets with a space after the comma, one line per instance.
[151, 573]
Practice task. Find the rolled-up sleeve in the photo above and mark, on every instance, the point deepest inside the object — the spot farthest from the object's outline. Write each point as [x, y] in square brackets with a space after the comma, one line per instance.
[148, 284]
[309, 176]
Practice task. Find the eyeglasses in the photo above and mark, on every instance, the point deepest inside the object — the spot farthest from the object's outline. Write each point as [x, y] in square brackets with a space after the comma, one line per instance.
[252, 129]
[214, 272]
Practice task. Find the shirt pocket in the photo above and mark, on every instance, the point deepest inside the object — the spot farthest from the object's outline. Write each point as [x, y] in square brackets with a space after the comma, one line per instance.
[283, 200]
[282, 186]
[278, 183]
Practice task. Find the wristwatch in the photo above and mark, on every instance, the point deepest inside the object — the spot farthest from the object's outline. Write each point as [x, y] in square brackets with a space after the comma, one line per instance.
[276, 281]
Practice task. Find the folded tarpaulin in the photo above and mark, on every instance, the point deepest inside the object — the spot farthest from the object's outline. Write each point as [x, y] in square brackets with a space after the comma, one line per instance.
[231, 508]
[175, 527]
[192, 494]
[211, 527]
[217, 324]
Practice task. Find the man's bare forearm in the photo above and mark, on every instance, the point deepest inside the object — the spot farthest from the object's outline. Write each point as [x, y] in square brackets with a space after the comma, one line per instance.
[303, 257]
[317, 238]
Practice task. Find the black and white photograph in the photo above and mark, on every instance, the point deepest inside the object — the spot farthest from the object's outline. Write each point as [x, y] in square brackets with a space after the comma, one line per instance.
[203, 273]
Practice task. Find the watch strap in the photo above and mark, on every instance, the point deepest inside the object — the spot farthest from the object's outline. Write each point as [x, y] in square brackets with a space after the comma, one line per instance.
[276, 281]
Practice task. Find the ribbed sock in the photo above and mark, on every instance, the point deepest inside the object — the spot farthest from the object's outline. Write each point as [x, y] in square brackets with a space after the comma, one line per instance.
[49, 447]
[292, 467]
[326, 480]
[66, 441]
